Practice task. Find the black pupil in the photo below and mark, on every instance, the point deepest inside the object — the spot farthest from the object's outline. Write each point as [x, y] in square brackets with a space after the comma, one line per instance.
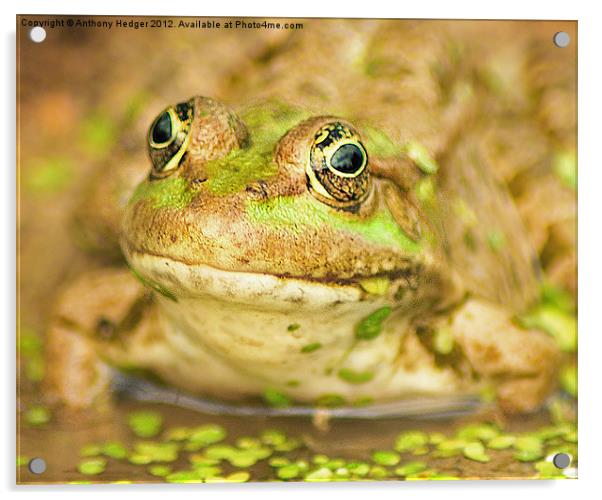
[348, 159]
[162, 129]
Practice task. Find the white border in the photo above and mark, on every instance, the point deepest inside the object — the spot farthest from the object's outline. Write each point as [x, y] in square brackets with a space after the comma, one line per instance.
[590, 249]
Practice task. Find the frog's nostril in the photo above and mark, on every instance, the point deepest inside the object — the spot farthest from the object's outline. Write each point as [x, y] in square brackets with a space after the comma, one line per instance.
[199, 180]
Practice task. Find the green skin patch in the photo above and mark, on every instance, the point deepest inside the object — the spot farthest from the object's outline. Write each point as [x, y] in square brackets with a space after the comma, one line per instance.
[172, 192]
[228, 175]
[295, 212]
[266, 125]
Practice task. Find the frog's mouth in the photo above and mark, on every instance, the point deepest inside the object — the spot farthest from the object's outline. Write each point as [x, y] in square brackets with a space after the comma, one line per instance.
[178, 280]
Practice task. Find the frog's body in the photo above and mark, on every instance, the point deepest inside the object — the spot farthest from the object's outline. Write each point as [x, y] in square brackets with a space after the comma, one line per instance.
[294, 254]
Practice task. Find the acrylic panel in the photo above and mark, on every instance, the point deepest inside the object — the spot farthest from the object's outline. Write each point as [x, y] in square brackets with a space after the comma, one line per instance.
[295, 249]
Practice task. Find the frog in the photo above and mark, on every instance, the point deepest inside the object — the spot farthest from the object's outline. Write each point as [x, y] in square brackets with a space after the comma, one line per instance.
[274, 251]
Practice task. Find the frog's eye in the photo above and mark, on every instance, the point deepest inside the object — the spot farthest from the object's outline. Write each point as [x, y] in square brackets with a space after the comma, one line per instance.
[168, 138]
[337, 172]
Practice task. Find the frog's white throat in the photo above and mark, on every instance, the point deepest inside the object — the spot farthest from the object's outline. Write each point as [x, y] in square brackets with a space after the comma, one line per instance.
[261, 290]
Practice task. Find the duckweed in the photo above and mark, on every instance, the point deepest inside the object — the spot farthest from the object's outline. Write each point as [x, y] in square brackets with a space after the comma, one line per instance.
[476, 451]
[360, 469]
[197, 460]
[92, 466]
[276, 399]
[330, 401]
[145, 424]
[559, 324]
[378, 472]
[273, 437]
[157, 452]
[363, 401]
[528, 449]
[483, 432]
[320, 474]
[354, 377]
[568, 379]
[557, 298]
[371, 326]
[571, 436]
[249, 457]
[501, 442]
[311, 347]
[289, 445]
[90, 450]
[159, 470]
[477, 442]
[114, 449]
[290, 471]
[178, 433]
[30, 351]
[302, 464]
[342, 472]
[450, 447]
[565, 167]
[37, 415]
[279, 462]
[547, 470]
[138, 459]
[435, 438]
[335, 463]
[247, 442]
[410, 440]
[385, 457]
[496, 240]
[184, 477]
[410, 468]
[237, 477]
[207, 434]
[419, 476]
[205, 470]
[220, 451]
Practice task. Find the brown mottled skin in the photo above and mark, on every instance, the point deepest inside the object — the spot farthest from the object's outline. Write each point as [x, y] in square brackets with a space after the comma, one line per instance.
[303, 253]
[107, 318]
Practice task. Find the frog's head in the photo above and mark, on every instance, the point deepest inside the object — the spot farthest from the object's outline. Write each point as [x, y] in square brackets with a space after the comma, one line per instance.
[243, 204]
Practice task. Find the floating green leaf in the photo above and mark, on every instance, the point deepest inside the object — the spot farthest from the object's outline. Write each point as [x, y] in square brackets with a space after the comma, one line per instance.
[386, 457]
[311, 347]
[92, 466]
[476, 451]
[276, 398]
[145, 424]
[37, 415]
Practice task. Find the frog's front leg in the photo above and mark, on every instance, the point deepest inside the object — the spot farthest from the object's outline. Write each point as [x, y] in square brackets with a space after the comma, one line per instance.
[522, 363]
[91, 318]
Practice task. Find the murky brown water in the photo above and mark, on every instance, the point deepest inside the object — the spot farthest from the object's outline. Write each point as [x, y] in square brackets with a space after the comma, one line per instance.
[60, 441]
